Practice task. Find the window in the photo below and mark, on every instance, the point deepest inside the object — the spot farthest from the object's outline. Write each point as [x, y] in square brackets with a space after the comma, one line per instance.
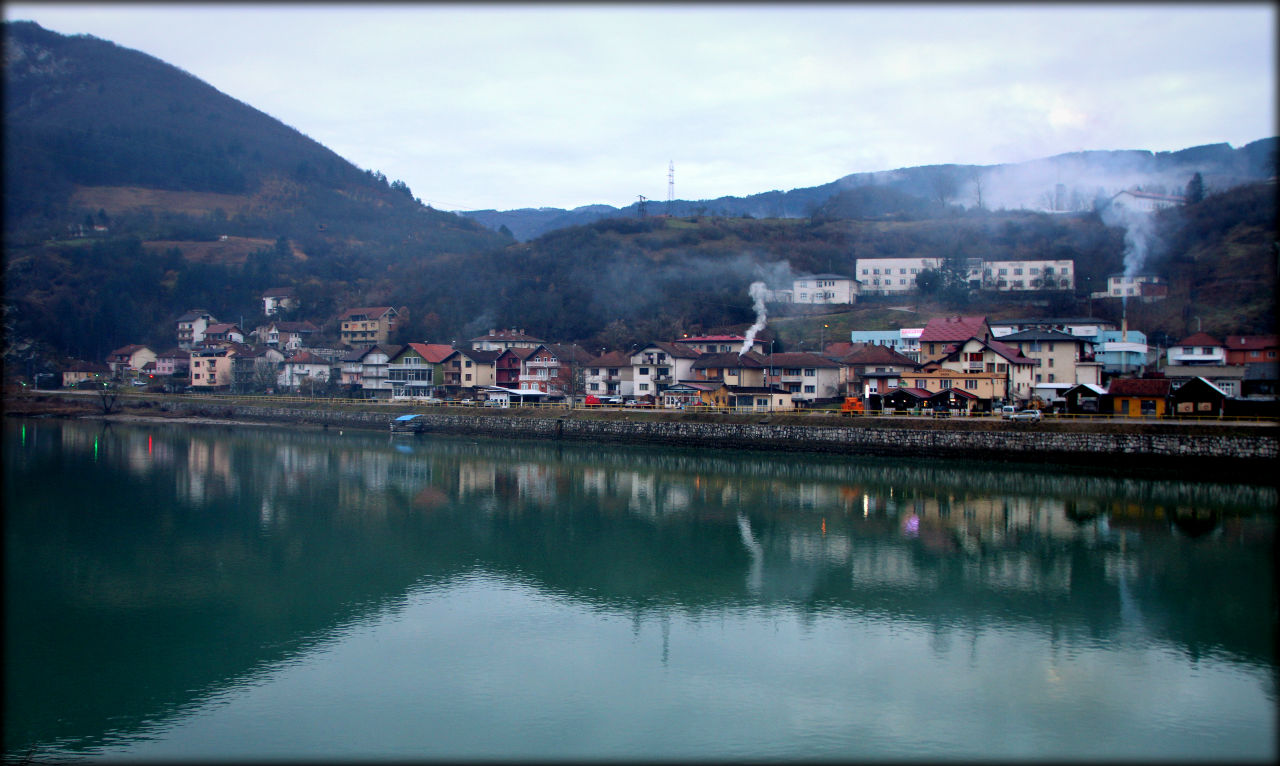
[468, 376]
[644, 370]
[946, 384]
[809, 372]
[1206, 350]
[902, 271]
[1038, 379]
[1051, 377]
[1050, 361]
[1034, 270]
[644, 387]
[970, 383]
[915, 271]
[1017, 272]
[809, 389]
[921, 383]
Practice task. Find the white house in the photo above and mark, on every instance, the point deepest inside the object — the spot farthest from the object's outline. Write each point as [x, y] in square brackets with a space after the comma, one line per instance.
[303, 369]
[191, 327]
[1148, 286]
[658, 365]
[1198, 349]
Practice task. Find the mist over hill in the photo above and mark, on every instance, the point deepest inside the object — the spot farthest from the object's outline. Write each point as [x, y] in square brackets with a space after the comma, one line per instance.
[1071, 182]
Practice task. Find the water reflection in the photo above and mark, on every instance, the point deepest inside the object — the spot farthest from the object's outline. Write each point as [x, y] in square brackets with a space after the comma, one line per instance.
[176, 563]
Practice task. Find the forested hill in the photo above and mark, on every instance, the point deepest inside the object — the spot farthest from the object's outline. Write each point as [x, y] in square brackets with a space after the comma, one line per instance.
[91, 126]
[1065, 183]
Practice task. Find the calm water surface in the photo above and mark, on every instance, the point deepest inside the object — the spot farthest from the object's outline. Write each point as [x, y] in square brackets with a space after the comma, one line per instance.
[215, 593]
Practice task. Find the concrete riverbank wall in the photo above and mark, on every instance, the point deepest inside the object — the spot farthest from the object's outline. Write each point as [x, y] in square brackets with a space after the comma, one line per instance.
[1204, 452]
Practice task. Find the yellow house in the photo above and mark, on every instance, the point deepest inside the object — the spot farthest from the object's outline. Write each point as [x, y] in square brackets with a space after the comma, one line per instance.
[1139, 397]
[211, 367]
[990, 386]
[371, 325]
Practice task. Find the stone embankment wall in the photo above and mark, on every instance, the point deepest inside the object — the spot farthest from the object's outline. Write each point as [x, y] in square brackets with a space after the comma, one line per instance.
[1204, 453]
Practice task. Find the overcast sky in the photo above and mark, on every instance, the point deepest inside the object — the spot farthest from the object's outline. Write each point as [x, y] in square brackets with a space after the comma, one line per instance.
[542, 105]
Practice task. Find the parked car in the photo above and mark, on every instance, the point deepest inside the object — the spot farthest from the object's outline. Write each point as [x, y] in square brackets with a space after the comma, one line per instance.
[1008, 411]
[1031, 415]
[138, 383]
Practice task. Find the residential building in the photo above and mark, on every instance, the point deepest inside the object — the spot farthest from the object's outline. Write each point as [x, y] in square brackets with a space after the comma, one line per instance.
[733, 369]
[370, 325]
[223, 331]
[277, 299]
[211, 367]
[366, 370]
[887, 276]
[993, 356]
[416, 370]
[174, 361]
[128, 361]
[804, 375]
[1138, 397]
[757, 399]
[988, 387]
[555, 368]
[1121, 352]
[611, 374]
[1250, 349]
[191, 327]
[659, 365]
[941, 333]
[304, 372]
[289, 336]
[255, 369]
[1198, 349]
[1228, 377]
[81, 371]
[501, 340]
[824, 289]
[1085, 327]
[1062, 357]
[905, 341]
[1147, 202]
[470, 368]
[874, 369]
[1145, 287]
[1013, 276]
[509, 364]
[720, 344]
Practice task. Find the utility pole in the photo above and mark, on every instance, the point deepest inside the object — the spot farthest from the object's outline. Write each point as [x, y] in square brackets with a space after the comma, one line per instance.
[671, 185]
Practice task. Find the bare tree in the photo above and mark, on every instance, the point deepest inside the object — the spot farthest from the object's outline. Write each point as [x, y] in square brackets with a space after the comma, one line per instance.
[109, 397]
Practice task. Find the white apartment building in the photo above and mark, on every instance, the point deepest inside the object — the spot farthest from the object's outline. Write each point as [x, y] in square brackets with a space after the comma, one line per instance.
[824, 289]
[1009, 276]
[889, 276]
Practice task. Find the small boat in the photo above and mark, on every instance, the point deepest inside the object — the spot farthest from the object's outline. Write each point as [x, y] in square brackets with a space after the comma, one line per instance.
[408, 424]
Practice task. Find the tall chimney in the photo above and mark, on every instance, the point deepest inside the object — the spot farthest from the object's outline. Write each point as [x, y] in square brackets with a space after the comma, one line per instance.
[1124, 328]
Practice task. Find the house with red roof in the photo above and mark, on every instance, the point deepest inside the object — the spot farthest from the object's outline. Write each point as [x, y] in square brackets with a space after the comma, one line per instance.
[417, 369]
[1138, 397]
[1198, 349]
[552, 367]
[992, 357]
[871, 368]
[129, 359]
[941, 333]
[732, 369]
[611, 374]
[469, 368]
[501, 340]
[508, 366]
[1251, 349]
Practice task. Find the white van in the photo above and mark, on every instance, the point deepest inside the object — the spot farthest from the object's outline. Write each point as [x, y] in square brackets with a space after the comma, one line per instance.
[1007, 411]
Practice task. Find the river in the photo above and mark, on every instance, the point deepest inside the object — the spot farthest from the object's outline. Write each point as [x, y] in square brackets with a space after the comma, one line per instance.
[220, 593]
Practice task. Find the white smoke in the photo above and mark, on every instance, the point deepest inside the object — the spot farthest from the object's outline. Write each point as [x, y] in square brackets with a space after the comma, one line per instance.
[758, 291]
[1139, 232]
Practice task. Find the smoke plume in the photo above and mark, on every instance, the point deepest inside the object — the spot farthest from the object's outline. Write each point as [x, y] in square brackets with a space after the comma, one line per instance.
[1139, 232]
[757, 291]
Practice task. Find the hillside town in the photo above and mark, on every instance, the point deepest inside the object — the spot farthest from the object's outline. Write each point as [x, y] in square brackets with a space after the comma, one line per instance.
[952, 364]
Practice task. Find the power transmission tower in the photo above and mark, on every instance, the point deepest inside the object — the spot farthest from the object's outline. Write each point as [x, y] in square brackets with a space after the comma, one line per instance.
[671, 185]
[640, 207]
